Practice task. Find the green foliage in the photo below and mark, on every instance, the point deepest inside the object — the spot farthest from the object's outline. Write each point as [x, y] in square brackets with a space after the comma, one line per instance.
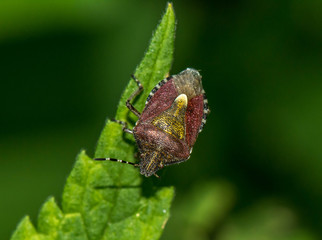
[267, 219]
[106, 200]
[210, 202]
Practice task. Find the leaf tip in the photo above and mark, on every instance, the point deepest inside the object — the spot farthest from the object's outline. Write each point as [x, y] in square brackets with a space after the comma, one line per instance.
[49, 217]
[82, 153]
[24, 230]
[170, 10]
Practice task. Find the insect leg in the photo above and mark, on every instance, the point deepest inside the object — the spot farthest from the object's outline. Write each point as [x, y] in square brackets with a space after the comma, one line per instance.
[137, 92]
[156, 175]
[124, 126]
[117, 160]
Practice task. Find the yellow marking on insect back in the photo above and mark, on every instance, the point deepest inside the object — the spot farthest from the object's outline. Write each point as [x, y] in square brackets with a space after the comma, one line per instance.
[172, 121]
[181, 103]
[152, 159]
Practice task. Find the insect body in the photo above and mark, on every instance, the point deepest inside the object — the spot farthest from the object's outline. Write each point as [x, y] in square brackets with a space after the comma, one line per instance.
[175, 112]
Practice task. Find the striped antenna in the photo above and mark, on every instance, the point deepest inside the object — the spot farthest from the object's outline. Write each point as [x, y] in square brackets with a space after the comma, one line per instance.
[117, 160]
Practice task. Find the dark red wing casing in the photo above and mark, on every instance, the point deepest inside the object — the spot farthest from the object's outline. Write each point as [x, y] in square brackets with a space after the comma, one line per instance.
[161, 101]
[194, 115]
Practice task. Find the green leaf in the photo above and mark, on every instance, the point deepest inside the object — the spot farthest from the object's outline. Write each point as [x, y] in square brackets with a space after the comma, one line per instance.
[105, 200]
[153, 68]
[25, 230]
[49, 218]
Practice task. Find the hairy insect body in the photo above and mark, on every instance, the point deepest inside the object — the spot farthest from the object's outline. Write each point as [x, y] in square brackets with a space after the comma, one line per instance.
[174, 114]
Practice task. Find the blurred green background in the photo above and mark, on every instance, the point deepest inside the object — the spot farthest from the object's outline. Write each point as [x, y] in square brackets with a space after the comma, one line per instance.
[255, 172]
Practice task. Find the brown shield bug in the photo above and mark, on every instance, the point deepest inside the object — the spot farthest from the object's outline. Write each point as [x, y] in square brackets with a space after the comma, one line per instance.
[175, 113]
